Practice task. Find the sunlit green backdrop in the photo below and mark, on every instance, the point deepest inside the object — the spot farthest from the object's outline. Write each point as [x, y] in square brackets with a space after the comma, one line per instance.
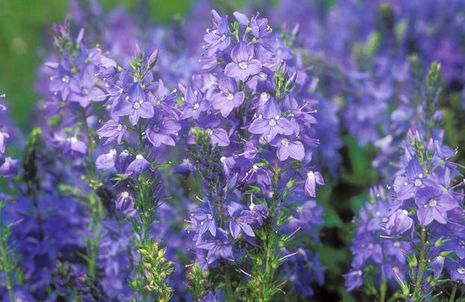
[25, 28]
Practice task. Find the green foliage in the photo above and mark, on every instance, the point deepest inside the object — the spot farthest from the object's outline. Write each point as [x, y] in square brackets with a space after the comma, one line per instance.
[361, 173]
[153, 271]
[10, 269]
[198, 282]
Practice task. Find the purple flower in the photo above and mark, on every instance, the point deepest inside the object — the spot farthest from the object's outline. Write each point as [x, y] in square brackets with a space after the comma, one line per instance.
[458, 246]
[289, 148]
[228, 164]
[433, 205]
[406, 185]
[134, 105]
[88, 90]
[259, 212]
[162, 98]
[4, 136]
[204, 219]
[243, 64]
[353, 280]
[106, 161]
[313, 178]
[437, 265]
[70, 143]
[271, 123]
[218, 247]
[63, 81]
[218, 137]
[112, 130]
[367, 250]
[228, 98]
[210, 297]
[194, 104]
[162, 132]
[125, 204]
[9, 167]
[241, 18]
[399, 222]
[217, 38]
[138, 166]
[456, 271]
[185, 168]
[241, 220]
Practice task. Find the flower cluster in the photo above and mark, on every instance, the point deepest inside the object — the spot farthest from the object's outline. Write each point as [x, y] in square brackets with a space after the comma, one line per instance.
[412, 234]
[8, 165]
[252, 131]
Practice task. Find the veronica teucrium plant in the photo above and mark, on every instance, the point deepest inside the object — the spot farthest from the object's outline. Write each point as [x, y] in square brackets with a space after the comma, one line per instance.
[409, 234]
[251, 131]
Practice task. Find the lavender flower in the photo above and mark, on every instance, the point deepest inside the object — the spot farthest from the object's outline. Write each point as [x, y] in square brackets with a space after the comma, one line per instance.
[243, 63]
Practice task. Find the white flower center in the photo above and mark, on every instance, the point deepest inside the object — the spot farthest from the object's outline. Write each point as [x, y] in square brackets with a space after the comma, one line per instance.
[285, 142]
[137, 105]
[272, 122]
[120, 127]
[461, 270]
[432, 203]
[230, 97]
[417, 182]
[125, 194]
[264, 96]
[223, 37]
[73, 140]
[139, 156]
[65, 79]
[196, 106]
[243, 65]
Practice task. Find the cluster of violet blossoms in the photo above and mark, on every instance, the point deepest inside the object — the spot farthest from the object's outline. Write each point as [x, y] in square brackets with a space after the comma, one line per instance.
[244, 126]
[252, 134]
[8, 165]
[410, 236]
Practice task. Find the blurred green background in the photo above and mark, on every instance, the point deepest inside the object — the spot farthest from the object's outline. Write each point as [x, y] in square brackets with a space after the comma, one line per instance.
[25, 31]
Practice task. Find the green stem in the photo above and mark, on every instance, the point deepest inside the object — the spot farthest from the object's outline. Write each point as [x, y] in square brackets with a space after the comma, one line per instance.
[422, 261]
[97, 210]
[229, 290]
[32, 192]
[9, 281]
[269, 273]
[382, 296]
[9, 286]
[454, 291]
[95, 206]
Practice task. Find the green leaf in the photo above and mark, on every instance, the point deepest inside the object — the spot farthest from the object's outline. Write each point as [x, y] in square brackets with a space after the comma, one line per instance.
[331, 258]
[362, 174]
